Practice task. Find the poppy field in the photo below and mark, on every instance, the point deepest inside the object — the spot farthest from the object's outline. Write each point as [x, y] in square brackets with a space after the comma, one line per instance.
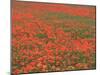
[49, 37]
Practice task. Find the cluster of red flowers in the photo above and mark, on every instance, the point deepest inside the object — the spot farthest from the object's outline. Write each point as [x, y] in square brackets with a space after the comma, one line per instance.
[44, 39]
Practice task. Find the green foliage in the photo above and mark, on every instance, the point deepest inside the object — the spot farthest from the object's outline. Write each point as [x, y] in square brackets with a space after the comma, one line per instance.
[41, 35]
[64, 16]
[82, 35]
